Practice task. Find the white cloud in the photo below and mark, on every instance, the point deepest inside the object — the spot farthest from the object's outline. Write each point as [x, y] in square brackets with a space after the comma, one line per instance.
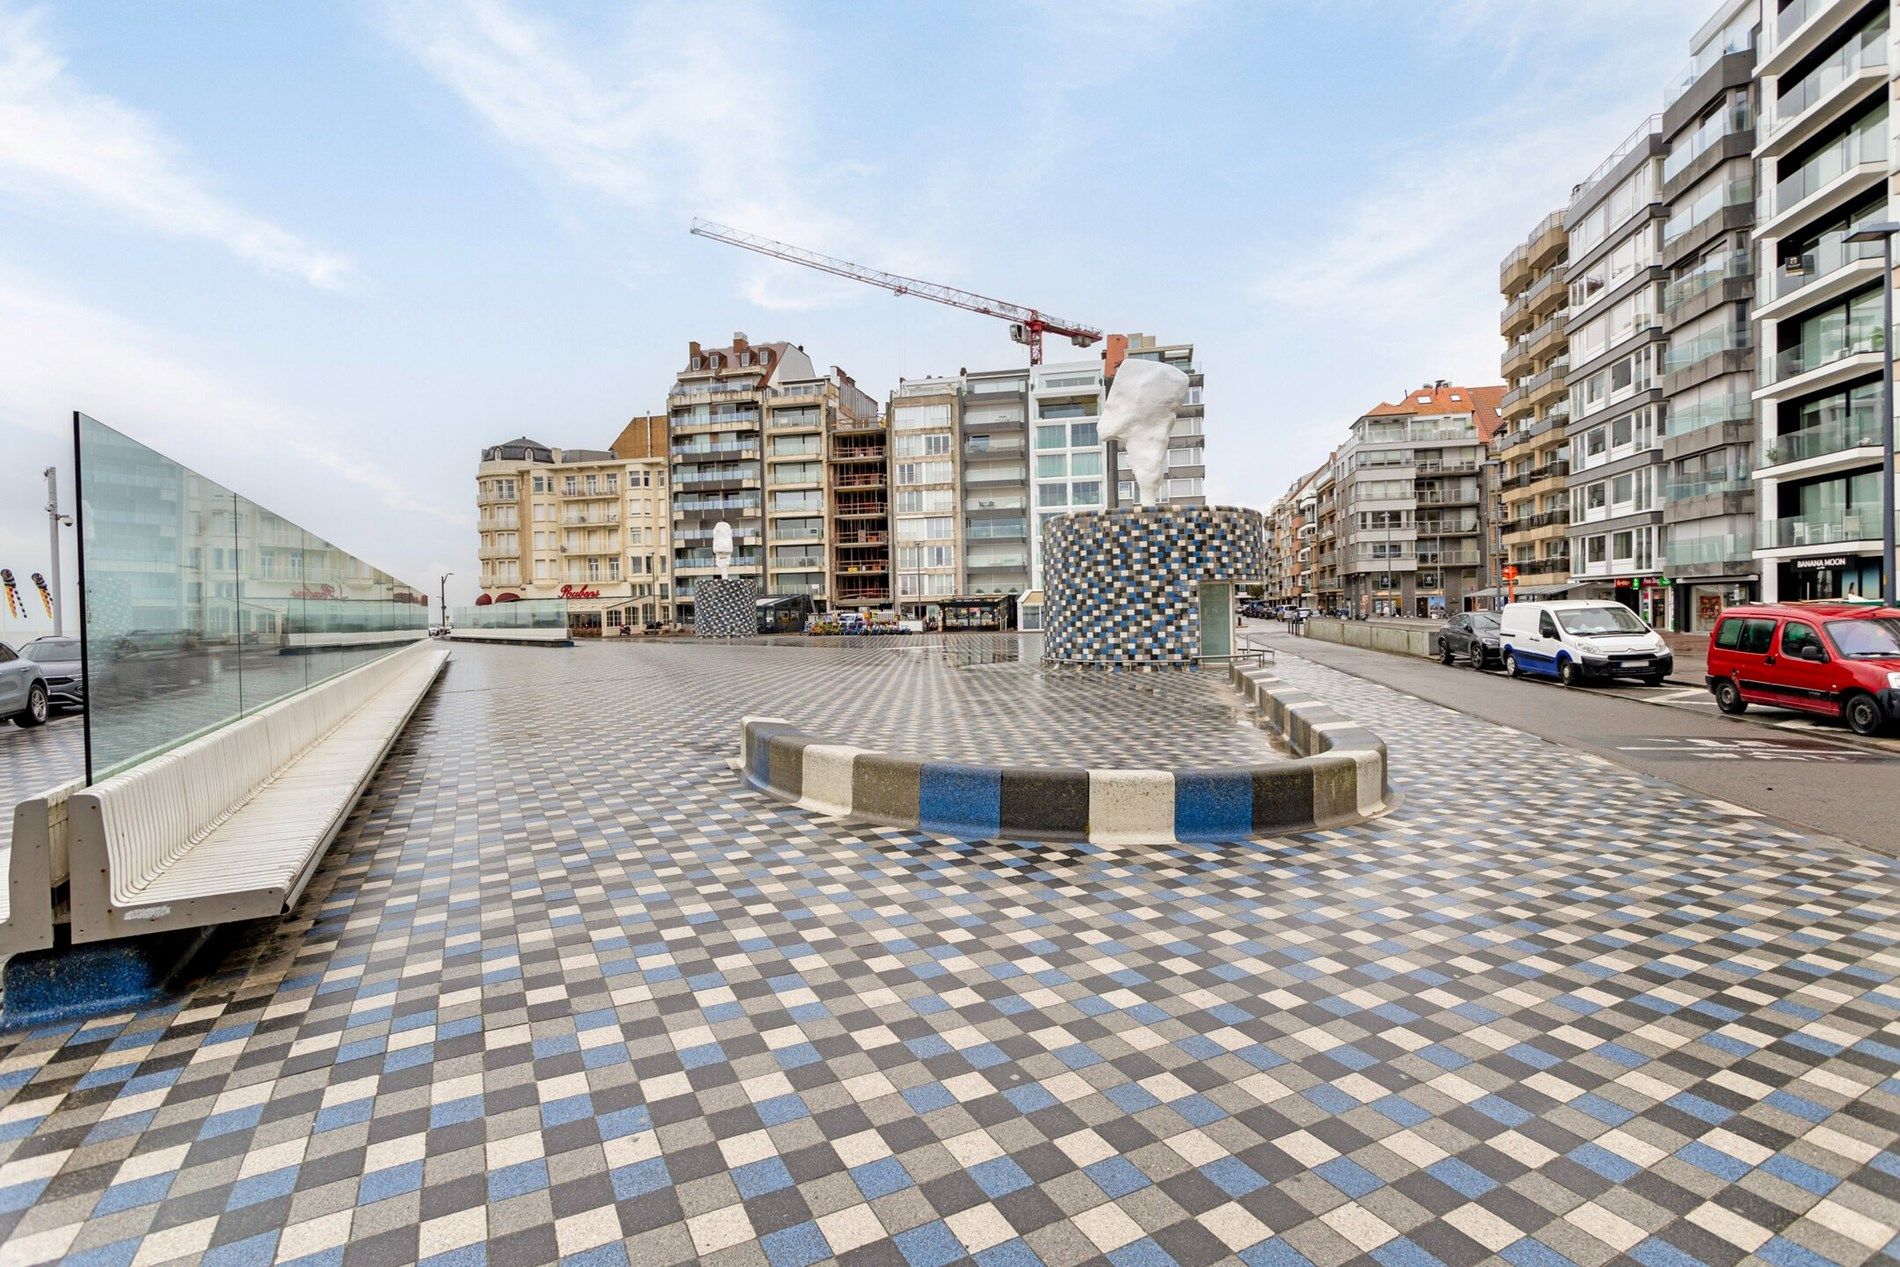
[67, 149]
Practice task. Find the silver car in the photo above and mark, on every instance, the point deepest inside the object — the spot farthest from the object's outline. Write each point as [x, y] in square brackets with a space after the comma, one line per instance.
[59, 659]
[23, 695]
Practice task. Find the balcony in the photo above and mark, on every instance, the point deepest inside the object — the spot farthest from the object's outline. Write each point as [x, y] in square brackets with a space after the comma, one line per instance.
[860, 479]
[1734, 266]
[799, 563]
[1546, 293]
[1855, 162]
[1558, 469]
[1734, 193]
[1833, 348]
[1734, 121]
[797, 534]
[1681, 356]
[718, 479]
[1839, 528]
[1832, 266]
[1683, 490]
[1550, 337]
[860, 509]
[1634, 141]
[992, 562]
[1702, 551]
[1543, 519]
[1516, 318]
[1807, 104]
[1860, 430]
[989, 448]
[1516, 361]
[725, 449]
[855, 537]
[1515, 269]
[1449, 559]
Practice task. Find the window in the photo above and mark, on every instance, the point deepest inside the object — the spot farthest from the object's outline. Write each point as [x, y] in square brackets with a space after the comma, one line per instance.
[1088, 492]
[1622, 545]
[1052, 437]
[1797, 637]
[1082, 436]
[917, 417]
[1052, 494]
[1594, 442]
[1052, 465]
[1593, 549]
[1752, 637]
[1086, 463]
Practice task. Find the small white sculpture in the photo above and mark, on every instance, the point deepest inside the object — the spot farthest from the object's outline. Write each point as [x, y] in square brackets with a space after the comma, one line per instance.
[722, 548]
[1139, 412]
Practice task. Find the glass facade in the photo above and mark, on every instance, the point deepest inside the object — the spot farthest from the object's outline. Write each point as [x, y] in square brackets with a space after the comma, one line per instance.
[198, 606]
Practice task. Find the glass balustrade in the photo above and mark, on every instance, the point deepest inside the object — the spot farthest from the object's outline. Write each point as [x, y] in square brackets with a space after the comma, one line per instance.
[1859, 430]
[1866, 144]
[1827, 528]
[1736, 119]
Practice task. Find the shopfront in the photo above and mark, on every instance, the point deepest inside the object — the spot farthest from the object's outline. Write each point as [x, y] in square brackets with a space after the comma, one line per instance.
[1696, 604]
[594, 611]
[1830, 576]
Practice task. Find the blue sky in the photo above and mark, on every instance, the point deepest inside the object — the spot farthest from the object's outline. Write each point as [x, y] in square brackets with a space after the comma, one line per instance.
[325, 253]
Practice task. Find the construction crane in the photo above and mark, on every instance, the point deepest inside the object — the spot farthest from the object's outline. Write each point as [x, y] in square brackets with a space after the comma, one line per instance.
[1026, 325]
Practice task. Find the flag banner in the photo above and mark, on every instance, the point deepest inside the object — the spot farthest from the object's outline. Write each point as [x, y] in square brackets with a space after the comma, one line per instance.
[14, 606]
[46, 595]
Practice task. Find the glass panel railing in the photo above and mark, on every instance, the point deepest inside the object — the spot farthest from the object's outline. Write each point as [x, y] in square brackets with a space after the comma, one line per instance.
[1794, 15]
[1832, 345]
[1712, 412]
[1736, 119]
[525, 613]
[1821, 529]
[1716, 549]
[1682, 355]
[199, 607]
[1734, 193]
[1707, 487]
[1858, 430]
[1866, 144]
[1830, 254]
[1864, 52]
[1706, 276]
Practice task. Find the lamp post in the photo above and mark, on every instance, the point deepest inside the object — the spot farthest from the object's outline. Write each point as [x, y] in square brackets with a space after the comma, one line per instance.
[442, 599]
[54, 519]
[1882, 231]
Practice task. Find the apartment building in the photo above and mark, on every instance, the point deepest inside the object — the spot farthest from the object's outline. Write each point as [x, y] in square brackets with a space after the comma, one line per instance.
[587, 525]
[1615, 430]
[995, 481]
[1532, 445]
[1327, 588]
[1069, 460]
[1292, 531]
[1708, 169]
[1186, 479]
[857, 458]
[926, 521]
[1824, 159]
[1410, 531]
[716, 418]
[799, 414]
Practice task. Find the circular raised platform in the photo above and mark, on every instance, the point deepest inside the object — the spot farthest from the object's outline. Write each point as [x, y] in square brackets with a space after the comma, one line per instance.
[1122, 587]
[726, 607]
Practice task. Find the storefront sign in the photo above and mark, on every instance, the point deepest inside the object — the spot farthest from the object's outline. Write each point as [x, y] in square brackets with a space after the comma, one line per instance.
[317, 591]
[578, 591]
[1831, 561]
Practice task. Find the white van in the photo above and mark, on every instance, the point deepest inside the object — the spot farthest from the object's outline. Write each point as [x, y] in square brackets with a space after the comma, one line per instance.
[1581, 641]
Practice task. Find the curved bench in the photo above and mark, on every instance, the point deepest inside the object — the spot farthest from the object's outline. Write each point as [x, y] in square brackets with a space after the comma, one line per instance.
[1338, 778]
[231, 825]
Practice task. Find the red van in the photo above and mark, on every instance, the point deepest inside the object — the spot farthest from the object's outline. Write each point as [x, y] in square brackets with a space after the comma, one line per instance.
[1837, 659]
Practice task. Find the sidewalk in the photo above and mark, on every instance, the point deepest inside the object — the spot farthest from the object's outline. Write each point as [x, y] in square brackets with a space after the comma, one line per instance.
[1692, 657]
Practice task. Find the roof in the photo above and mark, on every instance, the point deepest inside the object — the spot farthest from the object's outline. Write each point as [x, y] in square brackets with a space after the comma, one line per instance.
[1432, 401]
[1819, 610]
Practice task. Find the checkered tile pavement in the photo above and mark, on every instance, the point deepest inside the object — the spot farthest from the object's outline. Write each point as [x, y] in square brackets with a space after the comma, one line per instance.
[31, 761]
[566, 991]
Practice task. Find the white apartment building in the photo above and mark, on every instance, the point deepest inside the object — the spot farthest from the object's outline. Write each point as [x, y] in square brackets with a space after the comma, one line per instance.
[925, 520]
[1186, 480]
[1825, 163]
[1068, 460]
[1617, 417]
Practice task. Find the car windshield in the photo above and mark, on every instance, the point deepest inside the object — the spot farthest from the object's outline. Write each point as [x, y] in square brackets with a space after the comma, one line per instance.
[1483, 621]
[1866, 639]
[51, 650]
[1584, 621]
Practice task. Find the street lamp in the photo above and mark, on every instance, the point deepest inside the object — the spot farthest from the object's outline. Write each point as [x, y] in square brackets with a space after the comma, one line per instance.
[442, 599]
[1882, 231]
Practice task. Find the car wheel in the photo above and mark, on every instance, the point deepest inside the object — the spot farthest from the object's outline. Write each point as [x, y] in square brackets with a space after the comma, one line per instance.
[1477, 657]
[1863, 715]
[34, 714]
[1654, 679]
[1444, 652]
[1728, 698]
[1570, 673]
[1510, 665]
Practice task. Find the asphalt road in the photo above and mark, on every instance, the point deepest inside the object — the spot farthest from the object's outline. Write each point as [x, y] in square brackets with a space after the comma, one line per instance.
[1805, 778]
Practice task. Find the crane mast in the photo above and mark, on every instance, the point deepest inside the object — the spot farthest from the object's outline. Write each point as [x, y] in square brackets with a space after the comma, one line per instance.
[1027, 325]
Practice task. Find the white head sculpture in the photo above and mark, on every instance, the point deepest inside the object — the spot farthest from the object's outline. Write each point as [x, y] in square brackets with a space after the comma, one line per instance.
[722, 548]
[1139, 410]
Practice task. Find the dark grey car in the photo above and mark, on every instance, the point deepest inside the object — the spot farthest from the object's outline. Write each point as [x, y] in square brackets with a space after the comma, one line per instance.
[1470, 638]
[65, 671]
[23, 696]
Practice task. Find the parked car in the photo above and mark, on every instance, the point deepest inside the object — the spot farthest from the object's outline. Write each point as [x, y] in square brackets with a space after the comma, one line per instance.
[65, 671]
[1470, 637]
[23, 695]
[1578, 641]
[1835, 659]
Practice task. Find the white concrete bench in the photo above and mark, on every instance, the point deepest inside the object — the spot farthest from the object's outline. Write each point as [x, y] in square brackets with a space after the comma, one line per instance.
[35, 864]
[231, 825]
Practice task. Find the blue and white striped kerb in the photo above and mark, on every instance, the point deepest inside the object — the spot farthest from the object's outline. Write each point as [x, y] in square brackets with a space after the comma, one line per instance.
[1339, 778]
[1122, 587]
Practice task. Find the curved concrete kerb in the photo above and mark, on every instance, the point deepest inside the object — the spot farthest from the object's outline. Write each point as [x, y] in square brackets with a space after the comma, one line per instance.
[1338, 779]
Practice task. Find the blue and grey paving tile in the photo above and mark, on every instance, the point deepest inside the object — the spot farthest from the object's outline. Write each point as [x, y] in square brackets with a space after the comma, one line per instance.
[565, 990]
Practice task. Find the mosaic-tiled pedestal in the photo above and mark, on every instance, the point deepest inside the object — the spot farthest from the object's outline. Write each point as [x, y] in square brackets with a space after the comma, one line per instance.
[1122, 587]
[726, 607]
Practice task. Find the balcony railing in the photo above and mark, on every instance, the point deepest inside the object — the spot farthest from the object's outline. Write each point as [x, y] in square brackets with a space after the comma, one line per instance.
[1734, 193]
[1736, 120]
[1820, 530]
[1706, 276]
[1859, 430]
[1735, 407]
[800, 563]
[1867, 52]
[1681, 490]
[1718, 549]
[1834, 346]
[724, 448]
[1699, 66]
[1866, 145]
[1682, 355]
[1832, 253]
[1631, 143]
[797, 534]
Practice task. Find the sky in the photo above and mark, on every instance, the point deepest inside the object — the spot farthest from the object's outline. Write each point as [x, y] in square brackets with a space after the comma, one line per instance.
[324, 253]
